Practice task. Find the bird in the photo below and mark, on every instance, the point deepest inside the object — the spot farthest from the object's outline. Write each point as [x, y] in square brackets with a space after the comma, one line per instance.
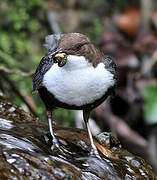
[74, 74]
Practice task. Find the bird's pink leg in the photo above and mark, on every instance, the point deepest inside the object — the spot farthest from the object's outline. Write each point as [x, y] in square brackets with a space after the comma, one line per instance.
[93, 149]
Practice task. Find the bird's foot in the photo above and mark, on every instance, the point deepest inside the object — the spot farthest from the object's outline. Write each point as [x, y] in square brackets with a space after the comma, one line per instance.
[55, 144]
[94, 153]
[56, 147]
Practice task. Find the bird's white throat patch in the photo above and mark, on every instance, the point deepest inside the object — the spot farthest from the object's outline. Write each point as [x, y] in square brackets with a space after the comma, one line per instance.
[78, 82]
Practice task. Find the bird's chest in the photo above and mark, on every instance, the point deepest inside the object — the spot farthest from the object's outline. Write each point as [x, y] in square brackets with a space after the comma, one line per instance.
[78, 86]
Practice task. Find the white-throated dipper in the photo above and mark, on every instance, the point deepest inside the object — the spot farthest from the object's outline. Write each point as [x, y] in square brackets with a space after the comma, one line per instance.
[74, 74]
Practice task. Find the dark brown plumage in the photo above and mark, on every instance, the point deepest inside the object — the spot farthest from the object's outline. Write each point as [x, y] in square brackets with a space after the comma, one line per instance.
[80, 45]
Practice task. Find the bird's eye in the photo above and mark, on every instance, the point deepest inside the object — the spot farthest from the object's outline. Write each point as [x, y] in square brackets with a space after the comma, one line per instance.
[78, 47]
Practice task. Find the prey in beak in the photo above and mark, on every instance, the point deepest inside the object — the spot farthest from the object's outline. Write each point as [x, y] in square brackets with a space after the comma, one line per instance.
[61, 59]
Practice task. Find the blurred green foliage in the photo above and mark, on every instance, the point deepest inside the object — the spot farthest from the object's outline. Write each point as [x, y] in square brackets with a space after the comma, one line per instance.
[96, 30]
[150, 106]
[19, 24]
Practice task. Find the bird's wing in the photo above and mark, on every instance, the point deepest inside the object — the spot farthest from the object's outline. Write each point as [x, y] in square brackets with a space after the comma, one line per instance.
[51, 43]
[110, 64]
[44, 65]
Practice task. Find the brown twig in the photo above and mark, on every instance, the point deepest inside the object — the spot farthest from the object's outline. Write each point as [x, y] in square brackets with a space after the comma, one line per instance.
[119, 127]
[4, 69]
[125, 131]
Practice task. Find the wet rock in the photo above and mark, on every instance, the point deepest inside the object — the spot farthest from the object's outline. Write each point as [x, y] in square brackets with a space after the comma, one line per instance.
[25, 152]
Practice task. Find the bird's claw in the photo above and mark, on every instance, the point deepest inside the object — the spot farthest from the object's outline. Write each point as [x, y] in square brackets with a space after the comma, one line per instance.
[56, 147]
[94, 153]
